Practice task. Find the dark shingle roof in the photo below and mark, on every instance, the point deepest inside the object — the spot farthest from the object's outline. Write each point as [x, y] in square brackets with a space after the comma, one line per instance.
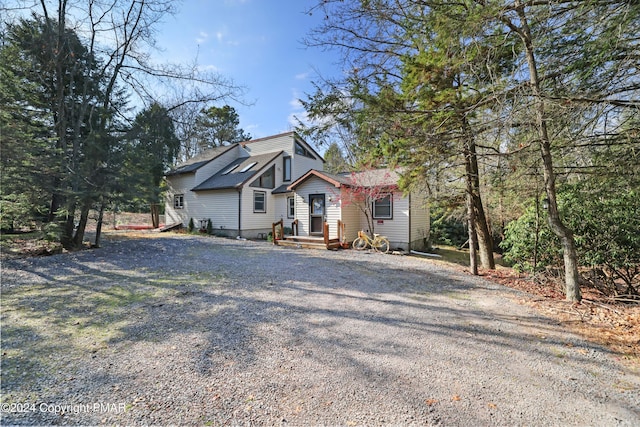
[236, 178]
[370, 178]
[198, 161]
[281, 190]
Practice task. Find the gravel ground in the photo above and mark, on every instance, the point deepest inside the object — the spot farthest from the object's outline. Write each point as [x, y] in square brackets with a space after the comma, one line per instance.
[184, 330]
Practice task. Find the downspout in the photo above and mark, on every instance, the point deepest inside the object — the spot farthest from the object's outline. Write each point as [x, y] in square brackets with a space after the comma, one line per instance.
[410, 239]
[239, 212]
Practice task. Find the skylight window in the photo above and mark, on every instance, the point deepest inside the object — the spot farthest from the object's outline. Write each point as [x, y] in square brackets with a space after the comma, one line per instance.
[249, 166]
[230, 169]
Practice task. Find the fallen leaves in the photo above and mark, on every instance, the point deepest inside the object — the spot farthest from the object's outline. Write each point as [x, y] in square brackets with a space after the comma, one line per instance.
[614, 325]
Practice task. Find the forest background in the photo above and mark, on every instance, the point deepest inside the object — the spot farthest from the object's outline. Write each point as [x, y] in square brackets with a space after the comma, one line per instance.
[521, 118]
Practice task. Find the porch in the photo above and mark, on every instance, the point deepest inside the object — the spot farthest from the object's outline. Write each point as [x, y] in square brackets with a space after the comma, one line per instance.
[308, 242]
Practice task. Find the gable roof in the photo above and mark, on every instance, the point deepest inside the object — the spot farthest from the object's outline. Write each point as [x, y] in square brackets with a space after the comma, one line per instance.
[294, 135]
[336, 180]
[369, 178]
[199, 160]
[231, 176]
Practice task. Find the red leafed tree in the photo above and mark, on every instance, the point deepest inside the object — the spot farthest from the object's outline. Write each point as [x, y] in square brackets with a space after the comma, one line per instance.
[363, 188]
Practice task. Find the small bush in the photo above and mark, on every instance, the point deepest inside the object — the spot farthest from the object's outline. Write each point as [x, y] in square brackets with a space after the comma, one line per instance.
[606, 227]
[191, 226]
[52, 232]
[525, 252]
[445, 229]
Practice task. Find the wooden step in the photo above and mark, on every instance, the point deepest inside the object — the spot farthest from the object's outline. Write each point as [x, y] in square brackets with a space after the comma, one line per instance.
[308, 242]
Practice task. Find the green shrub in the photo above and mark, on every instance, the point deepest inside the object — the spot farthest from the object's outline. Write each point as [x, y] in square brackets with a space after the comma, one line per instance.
[52, 231]
[529, 245]
[606, 227]
[209, 226]
[191, 226]
[445, 229]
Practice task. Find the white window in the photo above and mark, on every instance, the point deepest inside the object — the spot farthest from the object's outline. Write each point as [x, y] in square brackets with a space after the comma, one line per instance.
[383, 208]
[249, 166]
[230, 169]
[178, 201]
[259, 202]
[286, 168]
[291, 207]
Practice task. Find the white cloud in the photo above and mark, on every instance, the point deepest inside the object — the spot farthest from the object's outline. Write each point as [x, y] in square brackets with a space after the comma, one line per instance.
[202, 37]
[209, 67]
[302, 76]
[298, 114]
[296, 118]
[295, 103]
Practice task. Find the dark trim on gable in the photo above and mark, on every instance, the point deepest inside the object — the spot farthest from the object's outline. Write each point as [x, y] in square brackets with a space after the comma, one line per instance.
[311, 173]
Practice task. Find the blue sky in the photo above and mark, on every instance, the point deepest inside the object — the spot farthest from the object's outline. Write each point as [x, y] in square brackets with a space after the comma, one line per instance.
[257, 43]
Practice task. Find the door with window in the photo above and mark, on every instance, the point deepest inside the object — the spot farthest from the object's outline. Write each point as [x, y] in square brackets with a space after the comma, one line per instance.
[316, 213]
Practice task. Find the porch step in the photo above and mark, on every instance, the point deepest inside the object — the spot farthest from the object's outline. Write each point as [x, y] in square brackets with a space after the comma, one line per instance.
[308, 242]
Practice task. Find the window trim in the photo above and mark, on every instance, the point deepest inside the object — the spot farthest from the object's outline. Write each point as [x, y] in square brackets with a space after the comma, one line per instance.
[264, 201]
[286, 160]
[291, 207]
[374, 204]
[302, 150]
[180, 198]
[259, 182]
[248, 167]
[229, 170]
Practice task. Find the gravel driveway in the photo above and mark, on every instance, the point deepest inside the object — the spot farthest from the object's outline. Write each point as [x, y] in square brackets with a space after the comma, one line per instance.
[184, 330]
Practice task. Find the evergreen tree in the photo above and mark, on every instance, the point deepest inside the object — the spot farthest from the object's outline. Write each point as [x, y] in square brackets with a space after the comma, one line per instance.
[217, 126]
[335, 161]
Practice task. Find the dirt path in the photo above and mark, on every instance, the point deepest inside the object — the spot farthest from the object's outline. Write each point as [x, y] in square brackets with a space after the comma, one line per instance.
[205, 331]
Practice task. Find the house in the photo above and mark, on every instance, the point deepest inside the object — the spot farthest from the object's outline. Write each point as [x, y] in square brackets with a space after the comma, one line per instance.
[242, 188]
[245, 188]
[369, 201]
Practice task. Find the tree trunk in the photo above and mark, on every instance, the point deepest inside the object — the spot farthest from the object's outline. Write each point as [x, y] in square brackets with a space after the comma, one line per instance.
[471, 213]
[481, 230]
[68, 225]
[82, 224]
[96, 243]
[572, 285]
[473, 240]
[155, 215]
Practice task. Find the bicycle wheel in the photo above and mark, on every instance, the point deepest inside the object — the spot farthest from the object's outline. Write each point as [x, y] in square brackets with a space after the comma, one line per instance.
[359, 244]
[382, 245]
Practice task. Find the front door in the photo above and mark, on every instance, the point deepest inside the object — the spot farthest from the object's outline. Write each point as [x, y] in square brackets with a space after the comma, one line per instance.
[316, 213]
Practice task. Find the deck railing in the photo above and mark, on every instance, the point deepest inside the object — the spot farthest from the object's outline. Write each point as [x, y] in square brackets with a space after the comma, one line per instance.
[277, 233]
